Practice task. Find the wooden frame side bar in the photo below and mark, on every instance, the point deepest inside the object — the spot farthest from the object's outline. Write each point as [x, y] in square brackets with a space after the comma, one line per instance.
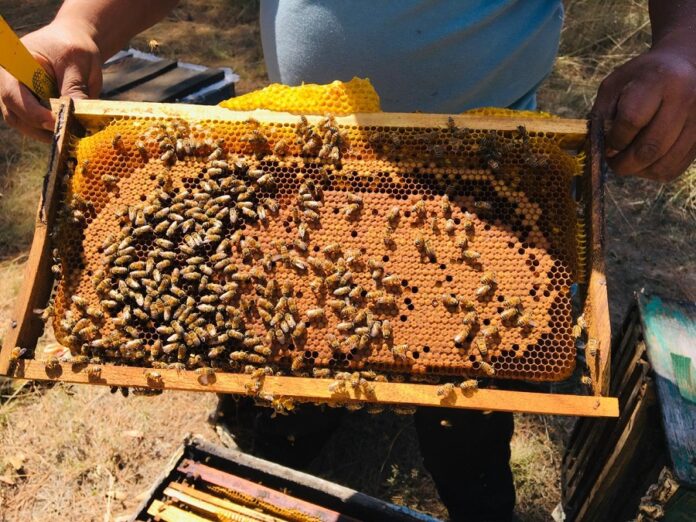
[95, 113]
[309, 389]
[600, 326]
[26, 327]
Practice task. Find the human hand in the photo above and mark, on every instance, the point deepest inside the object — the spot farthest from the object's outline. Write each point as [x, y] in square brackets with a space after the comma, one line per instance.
[651, 102]
[71, 57]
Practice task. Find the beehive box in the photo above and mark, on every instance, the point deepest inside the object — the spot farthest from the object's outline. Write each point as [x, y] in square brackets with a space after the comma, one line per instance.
[413, 247]
[211, 482]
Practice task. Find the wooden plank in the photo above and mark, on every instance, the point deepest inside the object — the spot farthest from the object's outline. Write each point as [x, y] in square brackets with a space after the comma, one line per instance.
[624, 451]
[586, 432]
[281, 500]
[162, 511]
[602, 441]
[95, 113]
[26, 327]
[669, 328]
[599, 327]
[304, 388]
[205, 501]
[130, 72]
[171, 85]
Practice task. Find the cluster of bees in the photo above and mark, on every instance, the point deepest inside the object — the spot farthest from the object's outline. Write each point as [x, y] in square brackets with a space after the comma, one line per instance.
[172, 297]
[185, 285]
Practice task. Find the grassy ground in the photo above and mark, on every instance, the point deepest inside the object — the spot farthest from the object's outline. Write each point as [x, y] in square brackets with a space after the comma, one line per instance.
[82, 452]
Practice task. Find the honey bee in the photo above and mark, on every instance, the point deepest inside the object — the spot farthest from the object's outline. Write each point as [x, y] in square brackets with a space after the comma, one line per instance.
[168, 158]
[117, 141]
[483, 291]
[468, 385]
[80, 301]
[386, 329]
[490, 332]
[332, 249]
[446, 206]
[51, 363]
[577, 331]
[488, 369]
[280, 148]
[356, 292]
[449, 301]
[468, 223]
[337, 386]
[424, 248]
[206, 375]
[393, 217]
[400, 351]
[108, 179]
[446, 390]
[93, 372]
[17, 353]
[451, 228]
[470, 255]
[153, 377]
[391, 281]
[352, 210]
[461, 336]
[524, 321]
[388, 240]
[509, 313]
[592, 347]
[512, 302]
[321, 373]
[297, 364]
[483, 205]
[420, 210]
[586, 380]
[488, 278]
[387, 301]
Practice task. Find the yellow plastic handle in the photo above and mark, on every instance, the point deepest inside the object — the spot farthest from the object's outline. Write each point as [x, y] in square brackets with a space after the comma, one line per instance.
[19, 62]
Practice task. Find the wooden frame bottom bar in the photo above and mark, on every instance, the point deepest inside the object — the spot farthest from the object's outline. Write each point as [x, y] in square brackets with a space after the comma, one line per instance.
[309, 389]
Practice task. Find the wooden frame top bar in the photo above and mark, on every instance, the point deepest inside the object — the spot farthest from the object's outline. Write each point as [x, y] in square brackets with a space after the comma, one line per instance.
[93, 113]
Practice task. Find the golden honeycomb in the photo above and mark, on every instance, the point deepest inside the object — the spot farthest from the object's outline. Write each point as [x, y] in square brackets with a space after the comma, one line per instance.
[421, 219]
[337, 98]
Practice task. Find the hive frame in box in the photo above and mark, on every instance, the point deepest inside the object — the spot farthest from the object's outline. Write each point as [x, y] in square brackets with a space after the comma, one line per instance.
[73, 119]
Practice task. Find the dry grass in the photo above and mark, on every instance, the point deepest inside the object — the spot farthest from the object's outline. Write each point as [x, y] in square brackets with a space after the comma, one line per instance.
[22, 166]
[81, 452]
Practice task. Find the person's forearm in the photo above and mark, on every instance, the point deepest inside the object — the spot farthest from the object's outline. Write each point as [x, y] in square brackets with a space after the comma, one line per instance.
[674, 24]
[112, 23]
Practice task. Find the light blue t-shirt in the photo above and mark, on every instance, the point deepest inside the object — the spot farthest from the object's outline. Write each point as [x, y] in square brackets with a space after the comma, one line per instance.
[421, 55]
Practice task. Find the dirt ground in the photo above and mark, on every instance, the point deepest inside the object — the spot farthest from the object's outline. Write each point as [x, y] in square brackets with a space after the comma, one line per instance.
[81, 452]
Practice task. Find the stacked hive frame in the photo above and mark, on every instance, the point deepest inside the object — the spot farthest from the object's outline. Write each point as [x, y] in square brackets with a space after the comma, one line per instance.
[525, 228]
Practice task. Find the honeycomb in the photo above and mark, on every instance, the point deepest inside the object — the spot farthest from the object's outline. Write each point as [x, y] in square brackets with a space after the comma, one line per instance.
[338, 98]
[315, 248]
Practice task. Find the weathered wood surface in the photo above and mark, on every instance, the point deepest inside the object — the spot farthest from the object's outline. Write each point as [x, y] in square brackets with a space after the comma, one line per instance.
[670, 334]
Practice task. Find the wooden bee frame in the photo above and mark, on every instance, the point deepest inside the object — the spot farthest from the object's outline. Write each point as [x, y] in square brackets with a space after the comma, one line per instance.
[73, 118]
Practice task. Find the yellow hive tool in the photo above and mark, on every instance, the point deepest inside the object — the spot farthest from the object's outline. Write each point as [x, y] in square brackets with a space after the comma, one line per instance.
[19, 62]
